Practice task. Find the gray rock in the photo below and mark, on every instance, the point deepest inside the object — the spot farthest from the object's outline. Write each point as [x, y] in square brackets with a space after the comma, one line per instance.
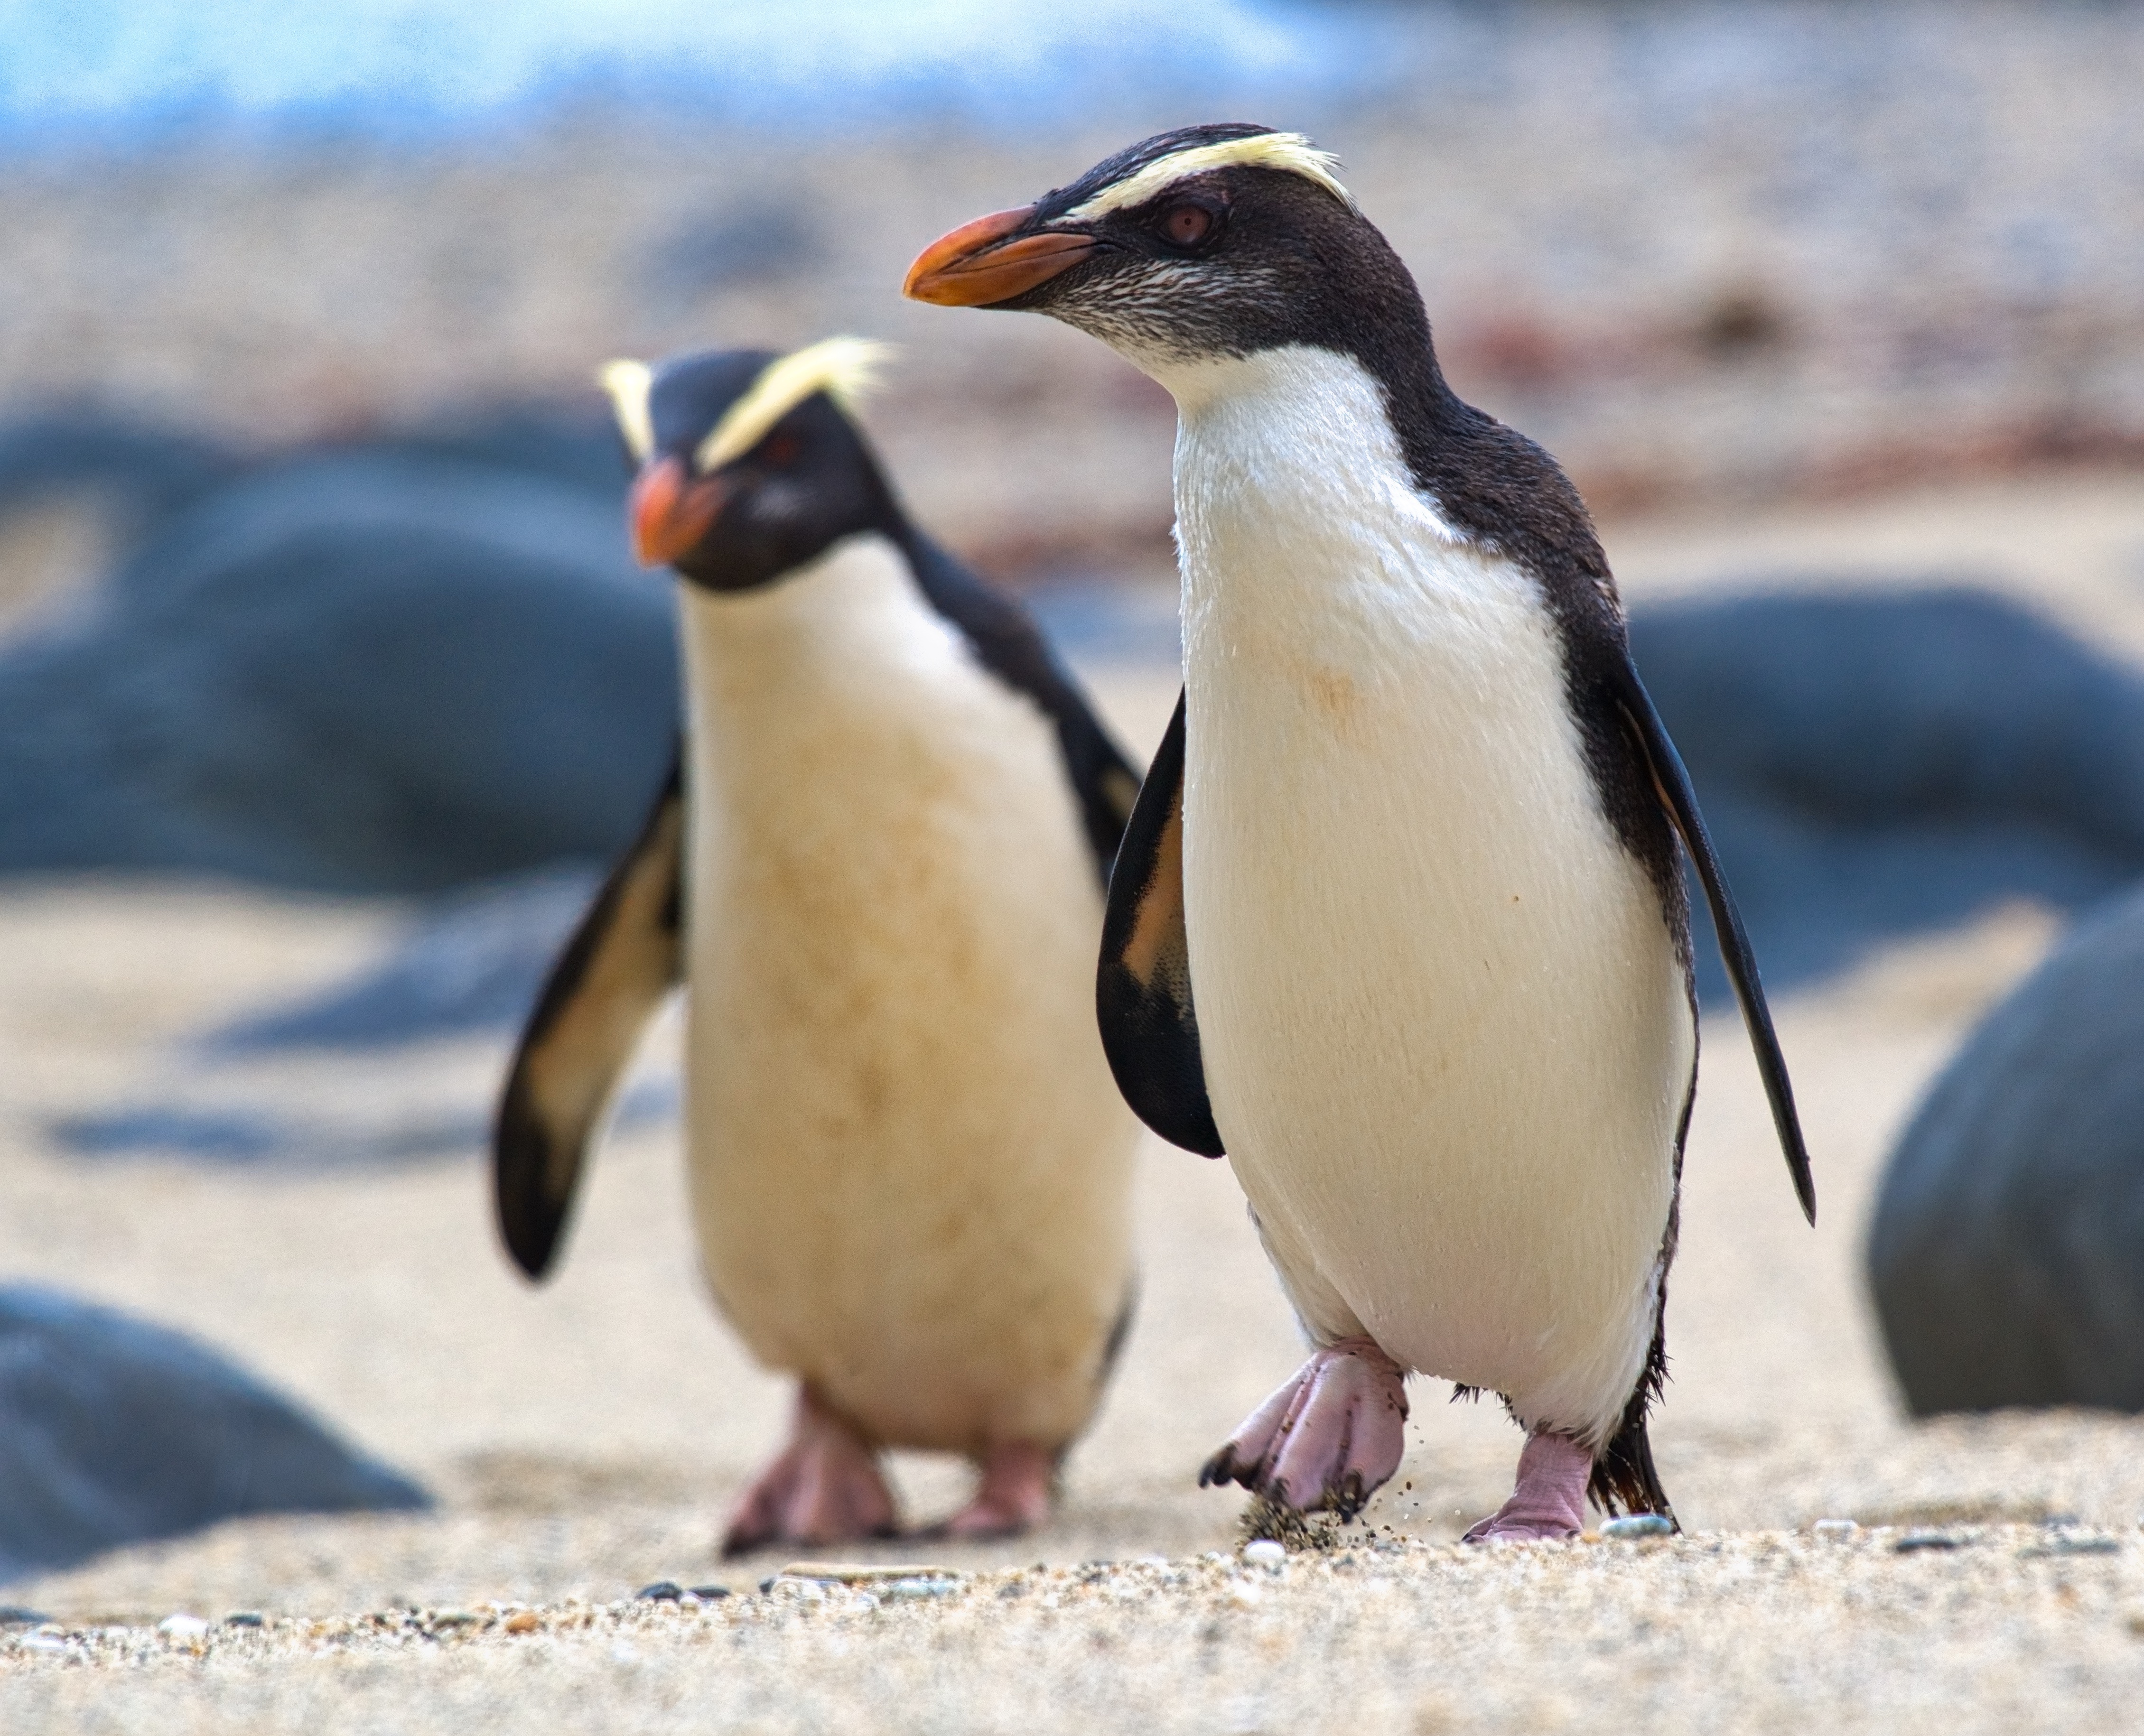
[2006, 1253]
[394, 671]
[1890, 763]
[115, 1431]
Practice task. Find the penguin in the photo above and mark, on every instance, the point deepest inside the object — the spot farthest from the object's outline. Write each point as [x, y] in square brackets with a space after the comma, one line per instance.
[1399, 925]
[878, 870]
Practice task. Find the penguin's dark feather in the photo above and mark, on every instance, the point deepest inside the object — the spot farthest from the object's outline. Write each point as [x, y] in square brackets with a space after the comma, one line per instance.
[1143, 990]
[625, 956]
[1007, 642]
[1680, 799]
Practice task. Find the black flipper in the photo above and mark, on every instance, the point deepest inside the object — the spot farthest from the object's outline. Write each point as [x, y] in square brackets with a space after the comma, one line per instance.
[623, 958]
[1008, 643]
[1680, 799]
[1143, 991]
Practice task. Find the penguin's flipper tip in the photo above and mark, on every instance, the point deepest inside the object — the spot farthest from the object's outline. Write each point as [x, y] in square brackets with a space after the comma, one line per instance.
[621, 962]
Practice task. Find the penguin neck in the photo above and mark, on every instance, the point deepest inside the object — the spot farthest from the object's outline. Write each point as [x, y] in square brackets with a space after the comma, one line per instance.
[810, 635]
[1297, 508]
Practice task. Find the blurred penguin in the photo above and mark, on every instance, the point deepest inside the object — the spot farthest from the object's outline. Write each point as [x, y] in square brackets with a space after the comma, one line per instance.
[878, 872]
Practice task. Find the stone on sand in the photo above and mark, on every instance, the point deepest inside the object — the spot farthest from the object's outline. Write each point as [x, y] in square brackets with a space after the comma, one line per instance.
[113, 1432]
[2006, 1253]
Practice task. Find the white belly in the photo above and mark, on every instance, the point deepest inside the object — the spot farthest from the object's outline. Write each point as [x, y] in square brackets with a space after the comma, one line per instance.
[910, 1166]
[1446, 1035]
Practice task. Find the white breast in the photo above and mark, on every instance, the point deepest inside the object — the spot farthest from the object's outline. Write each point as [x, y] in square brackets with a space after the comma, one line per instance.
[910, 1165]
[1445, 1033]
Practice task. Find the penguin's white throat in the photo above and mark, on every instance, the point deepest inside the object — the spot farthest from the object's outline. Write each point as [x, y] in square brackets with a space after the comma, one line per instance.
[1289, 473]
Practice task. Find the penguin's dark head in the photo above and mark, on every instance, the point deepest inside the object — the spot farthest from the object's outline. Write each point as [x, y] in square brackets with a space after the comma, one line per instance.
[1206, 242]
[750, 467]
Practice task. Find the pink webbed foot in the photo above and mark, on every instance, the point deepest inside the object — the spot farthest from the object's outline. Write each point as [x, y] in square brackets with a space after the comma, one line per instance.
[824, 1488]
[1550, 1499]
[1015, 1495]
[1327, 1439]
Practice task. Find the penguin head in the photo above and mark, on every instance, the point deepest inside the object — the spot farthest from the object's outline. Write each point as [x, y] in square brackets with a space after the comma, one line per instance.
[749, 466]
[1204, 243]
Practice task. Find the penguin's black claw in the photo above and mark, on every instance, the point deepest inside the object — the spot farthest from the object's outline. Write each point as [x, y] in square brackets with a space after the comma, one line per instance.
[1349, 1498]
[1225, 1467]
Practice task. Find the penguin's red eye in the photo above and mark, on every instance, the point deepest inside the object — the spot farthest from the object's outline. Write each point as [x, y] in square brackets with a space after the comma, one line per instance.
[1187, 224]
[781, 450]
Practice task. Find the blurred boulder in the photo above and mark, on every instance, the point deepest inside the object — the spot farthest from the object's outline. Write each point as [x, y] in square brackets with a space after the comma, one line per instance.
[387, 669]
[115, 1431]
[2006, 1253]
[1885, 763]
[137, 475]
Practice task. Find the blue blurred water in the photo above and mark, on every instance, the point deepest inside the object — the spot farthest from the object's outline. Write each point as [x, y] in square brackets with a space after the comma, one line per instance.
[106, 65]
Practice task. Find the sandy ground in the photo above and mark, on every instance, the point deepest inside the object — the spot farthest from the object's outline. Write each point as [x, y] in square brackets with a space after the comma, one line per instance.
[584, 1439]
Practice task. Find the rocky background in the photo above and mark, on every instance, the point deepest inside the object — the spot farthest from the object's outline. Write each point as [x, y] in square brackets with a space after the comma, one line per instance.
[1706, 253]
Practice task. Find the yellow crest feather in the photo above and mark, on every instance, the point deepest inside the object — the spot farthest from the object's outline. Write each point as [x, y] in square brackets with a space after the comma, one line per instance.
[628, 384]
[844, 369]
[1291, 151]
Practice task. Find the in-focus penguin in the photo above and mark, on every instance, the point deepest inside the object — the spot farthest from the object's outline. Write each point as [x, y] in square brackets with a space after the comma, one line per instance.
[1399, 921]
[879, 875]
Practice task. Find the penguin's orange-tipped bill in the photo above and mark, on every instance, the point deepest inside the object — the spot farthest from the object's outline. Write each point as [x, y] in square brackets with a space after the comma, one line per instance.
[670, 512]
[989, 260]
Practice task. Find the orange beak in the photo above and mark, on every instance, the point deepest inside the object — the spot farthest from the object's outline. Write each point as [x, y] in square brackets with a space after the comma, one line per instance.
[669, 513]
[976, 265]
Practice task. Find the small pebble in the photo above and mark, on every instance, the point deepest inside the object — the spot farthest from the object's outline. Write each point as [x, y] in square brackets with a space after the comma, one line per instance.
[1913, 1542]
[862, 1573]
[663, 1591]
[1835, 1530]
[1265, 1553]
[523, 1621]
[183, 1627]
[2073, 1546]
[708, 1593]
[42, 1642]
[455, 1619]
[918, 1587]
[245, 1618]
[1633, 1526]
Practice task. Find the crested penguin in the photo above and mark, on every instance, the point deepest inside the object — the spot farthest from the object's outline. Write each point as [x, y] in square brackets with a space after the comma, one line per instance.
[1399, 925]
[878, 872]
